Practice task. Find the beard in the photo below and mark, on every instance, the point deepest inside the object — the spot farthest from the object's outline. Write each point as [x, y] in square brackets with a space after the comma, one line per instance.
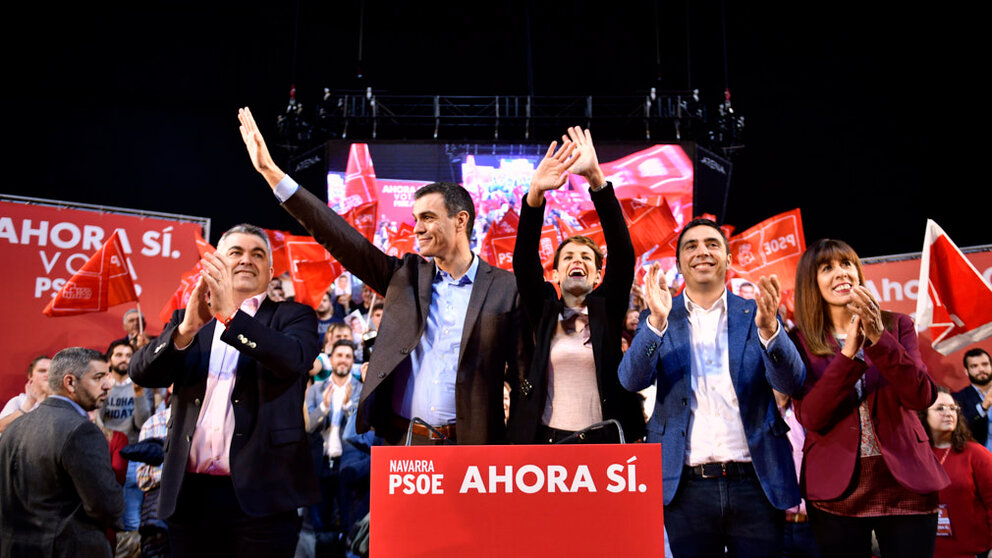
[121, 369]
[981, 382]
[342, 371]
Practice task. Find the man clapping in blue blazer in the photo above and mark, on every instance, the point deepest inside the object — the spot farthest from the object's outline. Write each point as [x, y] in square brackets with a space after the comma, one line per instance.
[715, 358]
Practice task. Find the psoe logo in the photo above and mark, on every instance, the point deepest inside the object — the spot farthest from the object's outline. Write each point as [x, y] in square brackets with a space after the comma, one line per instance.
[71, 291]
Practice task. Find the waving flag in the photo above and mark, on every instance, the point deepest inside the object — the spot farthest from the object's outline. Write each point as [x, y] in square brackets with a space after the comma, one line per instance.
[187, 281]
[955, 302]
[102, 282]
[311, 267]
[359, 206]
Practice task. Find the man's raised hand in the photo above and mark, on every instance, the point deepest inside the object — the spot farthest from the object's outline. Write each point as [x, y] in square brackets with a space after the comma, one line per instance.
[657, 297]
[768, 299]
[261, 159]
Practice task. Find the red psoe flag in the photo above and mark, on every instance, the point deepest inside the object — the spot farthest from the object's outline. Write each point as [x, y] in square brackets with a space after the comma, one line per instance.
[187, 282]
[311, 268]
[359, 205]
[954, 301]
[649, 225]
[102, 282]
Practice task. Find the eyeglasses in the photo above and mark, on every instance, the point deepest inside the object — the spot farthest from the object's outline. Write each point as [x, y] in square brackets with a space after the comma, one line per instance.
[946, 408]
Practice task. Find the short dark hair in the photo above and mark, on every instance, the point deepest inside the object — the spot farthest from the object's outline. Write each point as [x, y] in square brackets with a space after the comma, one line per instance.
[699, 222]
[377, 306]
[582, 241]
[344, 343]
[75, 361]
[245, 228]
[34, 362]
[975, 352]
[456, 199]
[118, 343]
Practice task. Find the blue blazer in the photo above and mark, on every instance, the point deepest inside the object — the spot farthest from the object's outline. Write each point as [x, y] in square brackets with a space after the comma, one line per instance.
[667, 361]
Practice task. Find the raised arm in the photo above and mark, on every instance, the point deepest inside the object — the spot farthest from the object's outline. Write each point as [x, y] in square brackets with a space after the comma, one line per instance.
[347, 245]
[551, 173]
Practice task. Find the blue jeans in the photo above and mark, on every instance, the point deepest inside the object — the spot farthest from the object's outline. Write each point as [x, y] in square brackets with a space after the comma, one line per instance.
[132, 498]
[707, 516]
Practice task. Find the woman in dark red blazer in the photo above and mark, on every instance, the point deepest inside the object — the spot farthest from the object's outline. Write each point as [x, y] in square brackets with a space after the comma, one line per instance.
[867, 464]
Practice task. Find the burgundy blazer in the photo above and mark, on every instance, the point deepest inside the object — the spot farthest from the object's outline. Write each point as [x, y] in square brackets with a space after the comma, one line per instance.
[897, 384]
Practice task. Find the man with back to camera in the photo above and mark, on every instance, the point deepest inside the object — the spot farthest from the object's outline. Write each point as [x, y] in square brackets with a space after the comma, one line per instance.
[453, 322]
[715, 357]
[237, 462]
[58, 492]
[976, 399]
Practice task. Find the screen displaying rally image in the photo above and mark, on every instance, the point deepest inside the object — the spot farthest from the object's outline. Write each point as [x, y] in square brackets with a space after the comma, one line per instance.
[373, 186]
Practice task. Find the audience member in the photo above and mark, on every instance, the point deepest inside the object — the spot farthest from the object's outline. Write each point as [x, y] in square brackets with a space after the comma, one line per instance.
[238, 463]
[976, 399]
[275, 290]
[35, 391]
[124, 411]
[572, 382]
[450, 318]
[964, 526]
[154, 531]
[58, 493]
[715, 358]
[866, 467]
[329, 403]
[325, 315]
[135, 330]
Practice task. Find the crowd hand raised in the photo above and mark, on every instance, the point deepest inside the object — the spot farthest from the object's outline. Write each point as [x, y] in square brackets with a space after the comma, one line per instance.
[551, 172]
[867, 309]
[141, 340]
[586, 164]
[34, 394]
[261, 159]
[657, 297]
[768, 299]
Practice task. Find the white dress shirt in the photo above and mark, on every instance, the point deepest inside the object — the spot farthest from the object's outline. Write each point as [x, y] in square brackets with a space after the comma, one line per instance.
[716, 432]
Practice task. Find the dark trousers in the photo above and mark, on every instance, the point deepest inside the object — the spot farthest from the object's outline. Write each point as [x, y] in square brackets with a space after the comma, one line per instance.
[605, 435]
[707, 516]
[209, 522]
[799, 542]
[903, 536]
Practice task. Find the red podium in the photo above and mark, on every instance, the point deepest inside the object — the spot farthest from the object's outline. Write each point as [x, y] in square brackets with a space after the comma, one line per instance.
[509, 501]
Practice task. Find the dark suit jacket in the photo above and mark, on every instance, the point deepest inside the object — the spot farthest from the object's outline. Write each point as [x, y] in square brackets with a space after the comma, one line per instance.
[58, 493]
[754, 372]
[494, 343]
[969, 399]
[607, 305]
[896, 386]
[271, 468]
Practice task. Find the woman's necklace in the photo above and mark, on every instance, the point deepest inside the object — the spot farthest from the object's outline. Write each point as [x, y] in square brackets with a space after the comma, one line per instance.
[947, 451]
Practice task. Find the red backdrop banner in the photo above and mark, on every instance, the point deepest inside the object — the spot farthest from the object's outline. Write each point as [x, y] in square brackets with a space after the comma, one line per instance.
[500, 501]
[43, 246]
[896, 285]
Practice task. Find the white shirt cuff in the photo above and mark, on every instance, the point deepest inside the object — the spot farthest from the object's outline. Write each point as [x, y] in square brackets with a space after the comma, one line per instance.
[655, 330]
[285, 189]
[764, 344]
